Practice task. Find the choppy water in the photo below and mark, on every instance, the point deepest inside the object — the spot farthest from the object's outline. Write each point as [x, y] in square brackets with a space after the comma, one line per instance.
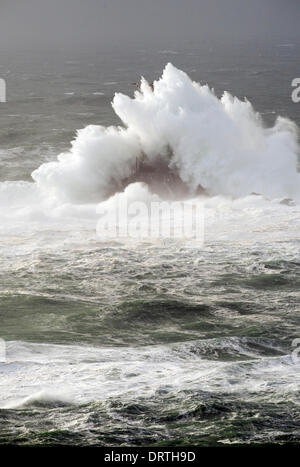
[111, 343]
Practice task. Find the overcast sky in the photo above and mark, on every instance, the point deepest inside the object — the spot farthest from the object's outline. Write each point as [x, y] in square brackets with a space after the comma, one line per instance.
[38, 23]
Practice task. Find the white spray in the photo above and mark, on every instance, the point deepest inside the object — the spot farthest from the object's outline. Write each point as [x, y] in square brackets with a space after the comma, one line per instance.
[218, 144]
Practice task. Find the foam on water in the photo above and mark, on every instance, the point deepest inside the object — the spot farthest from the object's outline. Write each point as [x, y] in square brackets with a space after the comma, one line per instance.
[59, 375]
[220, 145]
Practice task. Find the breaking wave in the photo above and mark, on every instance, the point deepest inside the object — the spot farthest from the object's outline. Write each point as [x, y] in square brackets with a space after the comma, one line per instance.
[181, 139]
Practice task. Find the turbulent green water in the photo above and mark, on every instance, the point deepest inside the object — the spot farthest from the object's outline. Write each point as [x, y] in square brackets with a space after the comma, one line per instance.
[109, 343]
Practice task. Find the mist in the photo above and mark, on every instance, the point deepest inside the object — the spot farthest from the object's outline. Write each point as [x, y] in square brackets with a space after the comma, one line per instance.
[37, 24]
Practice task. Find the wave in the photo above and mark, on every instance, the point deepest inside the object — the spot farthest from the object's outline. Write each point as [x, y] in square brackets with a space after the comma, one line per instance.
[178, 141]
[42, 399]
[178, 137]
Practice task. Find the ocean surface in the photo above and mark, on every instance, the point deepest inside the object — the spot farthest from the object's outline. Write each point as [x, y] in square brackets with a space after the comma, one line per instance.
[148, 342]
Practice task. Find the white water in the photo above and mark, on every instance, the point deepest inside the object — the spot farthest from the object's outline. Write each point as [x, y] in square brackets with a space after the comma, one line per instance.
[221, 145]
[51, 374]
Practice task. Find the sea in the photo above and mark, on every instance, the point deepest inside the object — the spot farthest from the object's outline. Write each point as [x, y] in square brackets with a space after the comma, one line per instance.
[150, 341]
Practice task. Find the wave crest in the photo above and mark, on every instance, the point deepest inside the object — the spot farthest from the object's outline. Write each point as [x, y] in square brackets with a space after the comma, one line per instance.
[179, 138]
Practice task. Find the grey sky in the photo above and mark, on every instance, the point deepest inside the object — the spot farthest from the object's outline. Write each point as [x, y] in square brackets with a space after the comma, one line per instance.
[37, 23]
